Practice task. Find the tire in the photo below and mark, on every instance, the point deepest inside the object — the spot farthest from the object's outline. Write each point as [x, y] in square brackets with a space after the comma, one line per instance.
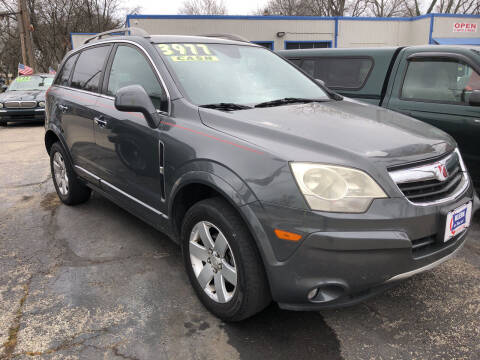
[69, 189]
[3, 123]
[251, 292]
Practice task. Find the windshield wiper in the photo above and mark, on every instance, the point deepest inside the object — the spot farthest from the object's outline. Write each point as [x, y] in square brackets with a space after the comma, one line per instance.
[288, 100]
[226, 106]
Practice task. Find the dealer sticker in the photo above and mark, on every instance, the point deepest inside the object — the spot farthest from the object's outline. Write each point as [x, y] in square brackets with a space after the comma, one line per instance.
[187, 52]
[457, 221]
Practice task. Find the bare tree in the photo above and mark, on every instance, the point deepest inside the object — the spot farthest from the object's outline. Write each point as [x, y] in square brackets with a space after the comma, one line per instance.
[336, 7]
[458, 7]
[378, 8]
[53, 21]
[388, 8]
[444, 7]
[315, 7]
[203, 7]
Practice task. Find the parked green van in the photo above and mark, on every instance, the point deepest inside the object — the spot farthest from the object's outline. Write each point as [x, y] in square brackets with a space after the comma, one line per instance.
[436, 84]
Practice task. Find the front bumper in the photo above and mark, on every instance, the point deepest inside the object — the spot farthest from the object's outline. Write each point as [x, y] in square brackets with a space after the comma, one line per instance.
[22, 115]
[350, 257]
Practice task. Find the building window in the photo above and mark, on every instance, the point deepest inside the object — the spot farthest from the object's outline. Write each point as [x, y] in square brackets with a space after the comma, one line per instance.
[265, 44]
[292, 45]
[339, 73]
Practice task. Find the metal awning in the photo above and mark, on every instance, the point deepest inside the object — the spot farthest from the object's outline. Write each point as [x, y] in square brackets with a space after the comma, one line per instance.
[457, 41]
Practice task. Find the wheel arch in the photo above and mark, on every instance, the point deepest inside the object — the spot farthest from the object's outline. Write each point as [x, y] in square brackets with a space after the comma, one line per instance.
[53, 135]
[195, 186]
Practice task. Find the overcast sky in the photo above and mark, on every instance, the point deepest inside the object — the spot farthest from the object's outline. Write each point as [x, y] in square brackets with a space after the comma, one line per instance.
[170, 7]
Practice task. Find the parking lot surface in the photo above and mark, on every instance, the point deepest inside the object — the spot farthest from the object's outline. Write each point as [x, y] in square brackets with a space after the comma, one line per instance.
[94, 282]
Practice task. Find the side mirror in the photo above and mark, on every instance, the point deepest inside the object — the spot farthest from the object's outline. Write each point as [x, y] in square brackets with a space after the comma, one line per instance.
[4, 88]
[320, 82]
[474, 98]
[134, 98]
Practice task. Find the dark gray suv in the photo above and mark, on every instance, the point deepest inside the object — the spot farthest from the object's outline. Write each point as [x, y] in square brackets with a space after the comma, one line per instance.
[274, 186]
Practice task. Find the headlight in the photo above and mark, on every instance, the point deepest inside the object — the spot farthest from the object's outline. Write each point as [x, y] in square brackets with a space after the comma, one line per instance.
[41, 103]
[336, 188]
[1, 106]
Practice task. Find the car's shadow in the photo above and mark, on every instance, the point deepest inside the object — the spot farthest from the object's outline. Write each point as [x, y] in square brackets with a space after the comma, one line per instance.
[23, 124]
[147, 255]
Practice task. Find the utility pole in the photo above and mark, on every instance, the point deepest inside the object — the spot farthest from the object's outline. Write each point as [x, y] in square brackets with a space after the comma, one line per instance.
[25, 35]
[22, 33]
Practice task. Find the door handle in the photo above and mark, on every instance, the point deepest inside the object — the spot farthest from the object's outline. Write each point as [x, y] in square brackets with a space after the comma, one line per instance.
[100, 121]
[63, 108]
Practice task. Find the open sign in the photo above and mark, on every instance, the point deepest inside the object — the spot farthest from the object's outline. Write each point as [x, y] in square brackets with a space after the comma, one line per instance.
[464, 27]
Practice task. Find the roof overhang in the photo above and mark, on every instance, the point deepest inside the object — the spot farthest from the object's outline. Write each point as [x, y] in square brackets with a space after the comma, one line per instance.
[457, 41]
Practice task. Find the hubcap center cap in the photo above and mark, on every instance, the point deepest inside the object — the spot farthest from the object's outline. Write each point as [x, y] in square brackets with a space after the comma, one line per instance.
[215, 261]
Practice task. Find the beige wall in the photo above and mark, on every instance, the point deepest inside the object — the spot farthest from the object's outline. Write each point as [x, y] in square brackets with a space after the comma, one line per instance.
[418, 32]
[443, 27]
[78, 39]
[253, 30]
[366, 33]
[351, 33]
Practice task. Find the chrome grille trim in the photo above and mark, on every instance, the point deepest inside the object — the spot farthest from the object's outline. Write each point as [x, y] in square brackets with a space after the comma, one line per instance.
[413, 180]
[20, 104]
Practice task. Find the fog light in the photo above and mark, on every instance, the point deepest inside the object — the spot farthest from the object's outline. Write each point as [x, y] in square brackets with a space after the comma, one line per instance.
[312, 293]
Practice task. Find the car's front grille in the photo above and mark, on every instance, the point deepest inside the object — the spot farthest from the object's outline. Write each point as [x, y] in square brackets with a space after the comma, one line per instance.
[430, 190]
[433, 181]
[20, 104]
[22, 116]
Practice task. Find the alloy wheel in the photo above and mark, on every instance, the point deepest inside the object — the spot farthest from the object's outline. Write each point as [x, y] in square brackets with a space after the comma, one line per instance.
[60, 173]
[213, 262]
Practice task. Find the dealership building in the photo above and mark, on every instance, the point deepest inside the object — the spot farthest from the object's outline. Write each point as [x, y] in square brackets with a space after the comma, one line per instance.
[294, 32]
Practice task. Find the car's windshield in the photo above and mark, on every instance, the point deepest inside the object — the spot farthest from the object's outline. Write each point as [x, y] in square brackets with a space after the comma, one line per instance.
[220, 73]
[34, 82]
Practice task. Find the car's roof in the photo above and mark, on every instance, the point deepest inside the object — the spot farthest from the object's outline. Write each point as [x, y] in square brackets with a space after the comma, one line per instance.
[177, 39]
[375, 50]
[313, 52]
[196, 39]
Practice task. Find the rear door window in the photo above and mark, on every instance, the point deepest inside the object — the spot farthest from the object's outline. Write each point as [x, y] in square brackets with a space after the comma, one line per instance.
[339, 73]
[439, 81]
[64, 75]
[89, 67]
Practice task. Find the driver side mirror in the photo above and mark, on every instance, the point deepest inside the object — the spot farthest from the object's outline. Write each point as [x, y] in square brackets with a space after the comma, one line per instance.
[4, 88]
[320, 82]
[474, 98]
[134, 98]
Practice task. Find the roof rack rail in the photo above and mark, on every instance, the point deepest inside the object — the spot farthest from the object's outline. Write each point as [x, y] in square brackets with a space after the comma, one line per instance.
[127, 31]
[228, 37]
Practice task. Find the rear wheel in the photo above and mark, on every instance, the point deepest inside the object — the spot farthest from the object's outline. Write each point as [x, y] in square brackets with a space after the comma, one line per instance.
[69, 189]
[222, 261]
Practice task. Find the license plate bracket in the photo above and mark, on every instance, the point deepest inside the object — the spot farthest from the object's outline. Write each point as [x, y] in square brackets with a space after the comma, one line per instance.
[457, 221]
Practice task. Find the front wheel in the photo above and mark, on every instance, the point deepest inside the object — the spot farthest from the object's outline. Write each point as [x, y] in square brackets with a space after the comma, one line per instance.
[222, 261]
[69, 189]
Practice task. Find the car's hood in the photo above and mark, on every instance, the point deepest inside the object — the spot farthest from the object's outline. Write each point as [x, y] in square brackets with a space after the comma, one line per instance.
[37, 95]
[337, 129]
